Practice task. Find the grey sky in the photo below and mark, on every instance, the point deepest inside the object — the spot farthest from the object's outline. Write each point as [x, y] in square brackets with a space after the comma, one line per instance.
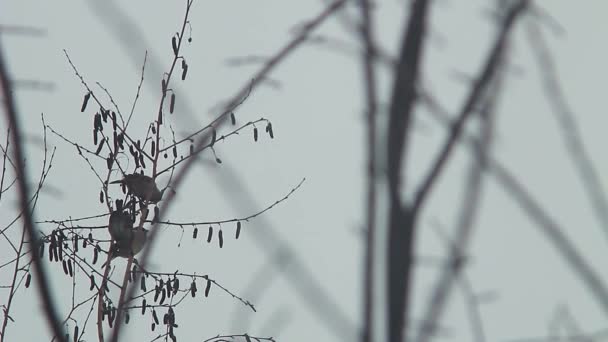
[317, 116]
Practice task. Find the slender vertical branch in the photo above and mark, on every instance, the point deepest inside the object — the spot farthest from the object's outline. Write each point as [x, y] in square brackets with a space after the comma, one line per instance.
[401, 222]
[368, 59]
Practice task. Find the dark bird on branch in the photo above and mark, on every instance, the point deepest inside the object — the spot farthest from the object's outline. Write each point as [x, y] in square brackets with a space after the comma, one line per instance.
[141, 186]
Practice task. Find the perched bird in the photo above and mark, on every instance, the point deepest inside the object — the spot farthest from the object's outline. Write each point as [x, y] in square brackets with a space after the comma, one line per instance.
[120, 226]
[131, 246]
[141, 186]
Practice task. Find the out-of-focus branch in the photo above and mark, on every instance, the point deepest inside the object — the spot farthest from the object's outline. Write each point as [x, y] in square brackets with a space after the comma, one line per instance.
[477, 91]
[569, 128]
[547, 225]
[369, 81]
[464, 228]
[23, 188]
[401, 220]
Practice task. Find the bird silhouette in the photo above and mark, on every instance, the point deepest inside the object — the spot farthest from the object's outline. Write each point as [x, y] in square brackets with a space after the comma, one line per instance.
[120, 225]
[132, 245]
[141, 186]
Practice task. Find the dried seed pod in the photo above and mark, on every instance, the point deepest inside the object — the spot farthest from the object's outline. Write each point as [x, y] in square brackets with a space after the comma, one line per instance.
[174, 45]
[104, 115]
[55, 252]
[195, 233]
[210, 234]
[60, 248]
[144, 305]
[110, 161]
[232, 119]
[169, 288]
[141, 160]
[218, 160]
[220, 236]
[65, 266]
[85, 101]
[153, 149]
[28, 280]
[208, 288]
[97, 122]
[191, 149]
[174, 151]
[92, 286]
[163, 296]
[76, 333]
[142, 284]
[156, 293]
[41, 251]
[100, 146]
[175, 285]
[101, 196]
[184, 70]
[154, 316]
[121, 140]
[153, 326]
[127, 318]
[255, 134]
[75, 242]
[114, 122]
[172, 103]
[70, 269]
[95, 140]
[166, 319]
[153, 128]
[95, 254]
[269, 130]
[163, 85]
[193, 289]
[238, 229]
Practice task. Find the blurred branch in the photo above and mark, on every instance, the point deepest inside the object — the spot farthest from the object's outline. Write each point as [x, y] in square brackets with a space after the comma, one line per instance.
[401, 220]
[23, 188]
[368, 63]
[570, 130]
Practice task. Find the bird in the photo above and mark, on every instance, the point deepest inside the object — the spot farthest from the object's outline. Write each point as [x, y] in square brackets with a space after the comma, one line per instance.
[120, 225]
[132, 245]
[141, 186]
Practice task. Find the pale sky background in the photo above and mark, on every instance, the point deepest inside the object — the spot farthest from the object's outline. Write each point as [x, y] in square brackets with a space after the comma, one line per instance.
[317, 115]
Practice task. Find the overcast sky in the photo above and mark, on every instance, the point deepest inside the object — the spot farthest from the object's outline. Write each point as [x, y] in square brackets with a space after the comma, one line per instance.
[315, 103]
